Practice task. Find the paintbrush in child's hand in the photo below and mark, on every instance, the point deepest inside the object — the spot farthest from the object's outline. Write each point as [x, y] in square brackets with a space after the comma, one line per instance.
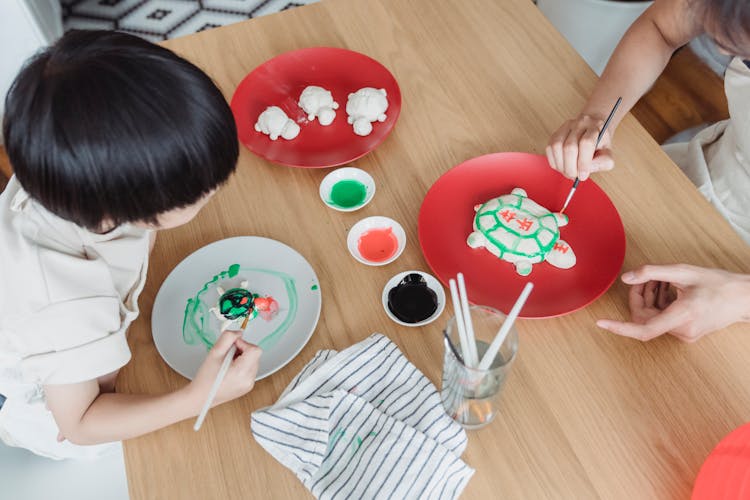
[220, 377]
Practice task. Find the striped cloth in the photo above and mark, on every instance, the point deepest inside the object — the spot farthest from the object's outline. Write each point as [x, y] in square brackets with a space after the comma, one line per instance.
[365, 423]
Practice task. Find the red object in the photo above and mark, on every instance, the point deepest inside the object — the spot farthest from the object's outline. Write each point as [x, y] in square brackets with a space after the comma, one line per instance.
[725, 474]
[377, 245]
[595, 234]
[280, 81]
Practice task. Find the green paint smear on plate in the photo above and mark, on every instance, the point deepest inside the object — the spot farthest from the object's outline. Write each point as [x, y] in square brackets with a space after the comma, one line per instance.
[195, 323]
[314, 287]
[348, 193]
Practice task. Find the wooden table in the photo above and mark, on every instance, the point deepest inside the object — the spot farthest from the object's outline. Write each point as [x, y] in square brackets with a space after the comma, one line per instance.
[585, 413]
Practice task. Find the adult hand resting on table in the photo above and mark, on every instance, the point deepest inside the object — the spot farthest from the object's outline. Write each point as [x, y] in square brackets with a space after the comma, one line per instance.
[685, 301]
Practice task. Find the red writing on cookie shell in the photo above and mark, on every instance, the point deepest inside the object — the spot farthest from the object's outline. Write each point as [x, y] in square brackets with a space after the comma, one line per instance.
[508, 215]
[524, 223]
[561, 248]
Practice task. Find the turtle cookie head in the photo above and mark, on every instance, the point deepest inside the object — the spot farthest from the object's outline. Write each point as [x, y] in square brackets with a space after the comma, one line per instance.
[236, 303]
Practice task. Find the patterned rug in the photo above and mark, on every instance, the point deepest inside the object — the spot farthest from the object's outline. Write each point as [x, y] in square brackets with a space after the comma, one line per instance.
[158, 20]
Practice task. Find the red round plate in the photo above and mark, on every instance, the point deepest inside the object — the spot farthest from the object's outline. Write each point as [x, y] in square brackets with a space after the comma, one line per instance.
[595, 233]
[725, 474]
[280, 81]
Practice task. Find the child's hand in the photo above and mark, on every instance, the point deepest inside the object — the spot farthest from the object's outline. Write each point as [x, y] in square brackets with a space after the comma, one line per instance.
[706, 300]
[572, 149]
[240, 377]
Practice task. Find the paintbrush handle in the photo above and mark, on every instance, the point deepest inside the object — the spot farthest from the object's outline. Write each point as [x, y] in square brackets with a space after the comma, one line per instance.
[215, 388]
[494, 347]
[606, 122]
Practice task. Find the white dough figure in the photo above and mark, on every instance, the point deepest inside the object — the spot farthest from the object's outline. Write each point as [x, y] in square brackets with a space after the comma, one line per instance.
[274, 123]
[318, 103]
[364, 107]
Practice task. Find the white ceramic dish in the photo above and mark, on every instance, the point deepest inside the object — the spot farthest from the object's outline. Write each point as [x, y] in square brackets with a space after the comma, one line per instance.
[271, 268]
[432, 283]
[372, 223]
[346, 174]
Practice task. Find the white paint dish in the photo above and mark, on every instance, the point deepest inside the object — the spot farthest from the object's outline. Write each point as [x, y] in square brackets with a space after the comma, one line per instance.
[271, 268]
[366, 227]
[342, 175]
[432, 283]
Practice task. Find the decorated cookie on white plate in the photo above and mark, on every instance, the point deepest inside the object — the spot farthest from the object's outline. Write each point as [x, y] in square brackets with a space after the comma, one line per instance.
[519, 230]
[365, 106]
[318, 103]
[275, 123]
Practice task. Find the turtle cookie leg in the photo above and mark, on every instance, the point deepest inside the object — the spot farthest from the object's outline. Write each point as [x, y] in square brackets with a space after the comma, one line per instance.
[523, 267]
[476, 240]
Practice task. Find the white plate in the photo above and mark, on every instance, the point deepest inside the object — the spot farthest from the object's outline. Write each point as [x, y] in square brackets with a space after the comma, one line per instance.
[271, 268]
[432, 284]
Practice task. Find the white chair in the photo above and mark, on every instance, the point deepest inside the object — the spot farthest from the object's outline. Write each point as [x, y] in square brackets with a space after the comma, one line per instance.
[25, 27]
[25, 476]
[593, 27]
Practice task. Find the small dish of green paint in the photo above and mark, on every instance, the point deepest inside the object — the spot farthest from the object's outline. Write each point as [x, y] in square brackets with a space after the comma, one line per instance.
[347, 189]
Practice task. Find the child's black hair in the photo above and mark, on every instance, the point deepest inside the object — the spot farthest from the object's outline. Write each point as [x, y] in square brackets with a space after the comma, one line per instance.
[104, 128]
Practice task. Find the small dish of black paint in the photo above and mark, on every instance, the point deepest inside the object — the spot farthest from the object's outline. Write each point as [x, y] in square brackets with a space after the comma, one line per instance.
[413, 298]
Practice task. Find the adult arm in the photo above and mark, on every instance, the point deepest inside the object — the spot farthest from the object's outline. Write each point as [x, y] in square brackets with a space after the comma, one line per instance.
[636, 63]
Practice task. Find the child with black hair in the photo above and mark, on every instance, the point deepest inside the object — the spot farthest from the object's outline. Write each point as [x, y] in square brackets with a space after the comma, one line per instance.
[111, 139]
[717, 160]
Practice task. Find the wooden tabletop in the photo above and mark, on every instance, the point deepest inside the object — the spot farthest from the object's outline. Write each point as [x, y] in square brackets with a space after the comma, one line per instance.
[585, 414]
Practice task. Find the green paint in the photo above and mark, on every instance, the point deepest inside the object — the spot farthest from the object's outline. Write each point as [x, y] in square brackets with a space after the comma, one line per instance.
[355, 443]
[195, 324]
[236, 303]
[335, 437]
[348, 193]
[500, 224]
[233, 270]
[314, 287]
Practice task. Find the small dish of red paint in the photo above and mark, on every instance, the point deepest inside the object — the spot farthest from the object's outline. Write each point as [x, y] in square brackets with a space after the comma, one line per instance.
[376, 241]
[347, 189]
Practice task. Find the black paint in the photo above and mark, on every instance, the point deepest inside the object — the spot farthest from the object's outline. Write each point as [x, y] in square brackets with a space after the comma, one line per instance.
[412, 301]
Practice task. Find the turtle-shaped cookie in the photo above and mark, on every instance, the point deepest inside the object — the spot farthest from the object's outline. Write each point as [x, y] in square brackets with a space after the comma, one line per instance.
[520, 231]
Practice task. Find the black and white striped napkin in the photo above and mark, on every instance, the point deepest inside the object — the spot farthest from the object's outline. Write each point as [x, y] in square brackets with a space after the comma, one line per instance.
[365, 423]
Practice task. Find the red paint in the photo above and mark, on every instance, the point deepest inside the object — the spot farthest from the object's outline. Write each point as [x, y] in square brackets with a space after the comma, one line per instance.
[560, 248]
[243, 301]
[524, 223]
[378, 245]
[508, 215]
[267, 307]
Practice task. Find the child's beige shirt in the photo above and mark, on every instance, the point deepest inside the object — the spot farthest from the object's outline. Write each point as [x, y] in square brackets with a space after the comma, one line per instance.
[67, 296]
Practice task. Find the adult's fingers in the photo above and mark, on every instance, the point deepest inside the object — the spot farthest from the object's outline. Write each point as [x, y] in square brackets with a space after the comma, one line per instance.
[586, 152]
[677, 274]
[603, 160]
[571, 152]
[649, 293]
[670, 319]
[636, 300]
[663, 295]
[555, 147]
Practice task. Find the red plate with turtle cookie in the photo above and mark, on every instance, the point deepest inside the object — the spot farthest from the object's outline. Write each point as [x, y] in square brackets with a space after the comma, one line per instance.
[594, 233]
